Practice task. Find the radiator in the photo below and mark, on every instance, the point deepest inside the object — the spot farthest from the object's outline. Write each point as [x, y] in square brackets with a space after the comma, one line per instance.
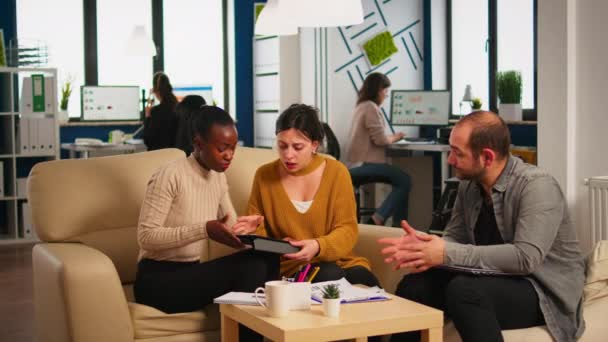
[598, 208]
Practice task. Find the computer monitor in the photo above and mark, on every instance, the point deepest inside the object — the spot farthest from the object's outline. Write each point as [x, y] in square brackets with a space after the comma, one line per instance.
[206, 91]
[109, 103]
[420, 108]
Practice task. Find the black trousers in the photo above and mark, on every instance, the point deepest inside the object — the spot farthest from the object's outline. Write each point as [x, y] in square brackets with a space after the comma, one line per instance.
[479, 306]
[189, 286]
[355, 275]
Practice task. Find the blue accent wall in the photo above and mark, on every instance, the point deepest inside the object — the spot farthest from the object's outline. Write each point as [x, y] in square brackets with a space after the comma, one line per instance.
[8, 19]
[243, 34]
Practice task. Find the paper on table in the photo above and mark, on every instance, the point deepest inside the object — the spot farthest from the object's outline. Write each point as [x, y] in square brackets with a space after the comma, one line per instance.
[349, 293]
[243, 298]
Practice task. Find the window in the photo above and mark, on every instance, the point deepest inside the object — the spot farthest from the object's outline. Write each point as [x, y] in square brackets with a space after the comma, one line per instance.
[469, 53]
[37, 21]
[476, 57]
[116, 20]
[515, 43]
[193, 45]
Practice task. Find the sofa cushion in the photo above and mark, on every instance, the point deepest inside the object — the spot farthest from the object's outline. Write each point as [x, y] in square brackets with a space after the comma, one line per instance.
[149, 322]
[100, 202]
[596, 283]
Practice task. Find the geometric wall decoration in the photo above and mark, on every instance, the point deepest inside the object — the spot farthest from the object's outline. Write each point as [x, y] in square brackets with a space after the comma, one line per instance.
[379, 48]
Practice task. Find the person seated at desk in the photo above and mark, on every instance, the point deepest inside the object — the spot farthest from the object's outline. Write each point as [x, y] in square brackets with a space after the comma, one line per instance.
[366, 155]
[160, 122]
[509, 217]
[185, 110]
[188, 201]
[308, 200]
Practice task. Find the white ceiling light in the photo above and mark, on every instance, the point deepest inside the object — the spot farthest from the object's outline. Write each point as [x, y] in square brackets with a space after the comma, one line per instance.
[140, 44]
[276, 19]
[326, 13]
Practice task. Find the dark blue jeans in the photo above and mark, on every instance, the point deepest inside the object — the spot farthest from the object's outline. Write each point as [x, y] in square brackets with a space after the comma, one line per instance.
[396, 203]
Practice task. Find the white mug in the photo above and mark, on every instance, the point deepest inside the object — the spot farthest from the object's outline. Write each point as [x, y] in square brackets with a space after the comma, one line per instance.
[277, 294]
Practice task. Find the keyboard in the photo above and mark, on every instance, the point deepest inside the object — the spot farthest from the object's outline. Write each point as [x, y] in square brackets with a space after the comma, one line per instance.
[411, 140]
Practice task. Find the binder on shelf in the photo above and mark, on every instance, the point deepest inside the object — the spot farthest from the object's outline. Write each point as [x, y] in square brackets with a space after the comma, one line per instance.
[32, 143]
[264, 244]
[38, 103]
[26, 218]
[45, 135]
[22, 187]
[37, 95]
[23, 132]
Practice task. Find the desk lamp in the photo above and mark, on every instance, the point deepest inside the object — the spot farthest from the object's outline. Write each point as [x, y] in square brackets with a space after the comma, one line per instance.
[468, 96]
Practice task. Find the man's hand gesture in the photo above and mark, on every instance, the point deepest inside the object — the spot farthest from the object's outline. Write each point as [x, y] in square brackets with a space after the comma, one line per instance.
[415, 251]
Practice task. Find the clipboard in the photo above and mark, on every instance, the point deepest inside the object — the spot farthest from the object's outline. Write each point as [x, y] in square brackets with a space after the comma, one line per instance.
[265, 244]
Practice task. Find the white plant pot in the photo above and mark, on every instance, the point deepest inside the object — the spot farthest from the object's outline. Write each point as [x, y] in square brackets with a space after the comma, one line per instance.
[63, 116]
[331, 307]
[510, 111]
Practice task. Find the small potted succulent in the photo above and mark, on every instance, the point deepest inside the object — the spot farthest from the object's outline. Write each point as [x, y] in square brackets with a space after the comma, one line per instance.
[476, 104]
[331, 300]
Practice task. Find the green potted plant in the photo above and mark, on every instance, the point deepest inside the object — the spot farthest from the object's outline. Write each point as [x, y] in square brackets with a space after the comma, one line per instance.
[476, 104]
[66, 91]
[509, 88]
[331, 300]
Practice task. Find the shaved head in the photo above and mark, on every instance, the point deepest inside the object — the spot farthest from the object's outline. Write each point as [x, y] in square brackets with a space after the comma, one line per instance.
[488, 130]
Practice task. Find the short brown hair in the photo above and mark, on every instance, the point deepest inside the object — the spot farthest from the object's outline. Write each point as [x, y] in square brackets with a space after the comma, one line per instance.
[488, 131]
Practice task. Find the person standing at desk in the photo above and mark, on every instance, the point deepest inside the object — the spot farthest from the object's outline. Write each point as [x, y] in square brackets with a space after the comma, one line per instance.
[160, 122]
[366, 155]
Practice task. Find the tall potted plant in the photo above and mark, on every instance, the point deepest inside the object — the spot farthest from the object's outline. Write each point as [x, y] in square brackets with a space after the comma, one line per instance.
[509, 88]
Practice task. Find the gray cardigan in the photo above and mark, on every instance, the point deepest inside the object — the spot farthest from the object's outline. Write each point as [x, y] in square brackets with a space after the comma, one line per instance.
[540, 242]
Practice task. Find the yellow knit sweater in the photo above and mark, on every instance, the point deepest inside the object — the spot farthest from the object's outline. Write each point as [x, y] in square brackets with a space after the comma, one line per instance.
[331, 219]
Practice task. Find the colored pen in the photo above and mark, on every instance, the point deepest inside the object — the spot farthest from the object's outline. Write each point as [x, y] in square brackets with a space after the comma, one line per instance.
[304, 273]
[314, 274]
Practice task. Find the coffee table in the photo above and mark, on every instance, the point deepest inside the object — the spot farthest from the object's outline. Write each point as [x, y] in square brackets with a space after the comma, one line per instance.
[356, 321]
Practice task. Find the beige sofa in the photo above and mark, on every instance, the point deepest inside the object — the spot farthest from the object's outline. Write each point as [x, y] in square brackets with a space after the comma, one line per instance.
[86, 211]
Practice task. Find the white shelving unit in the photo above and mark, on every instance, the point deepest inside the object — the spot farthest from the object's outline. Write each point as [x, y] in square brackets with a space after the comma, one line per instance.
[15, 164]
[276, 83]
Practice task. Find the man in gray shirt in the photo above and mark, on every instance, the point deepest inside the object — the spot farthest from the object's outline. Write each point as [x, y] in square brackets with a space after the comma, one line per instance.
[509, 217]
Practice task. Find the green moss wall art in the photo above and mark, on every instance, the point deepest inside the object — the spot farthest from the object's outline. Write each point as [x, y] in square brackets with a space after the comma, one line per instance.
[379, 48]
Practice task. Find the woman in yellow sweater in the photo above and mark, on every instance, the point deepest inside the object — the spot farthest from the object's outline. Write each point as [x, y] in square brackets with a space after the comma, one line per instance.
[308, 199]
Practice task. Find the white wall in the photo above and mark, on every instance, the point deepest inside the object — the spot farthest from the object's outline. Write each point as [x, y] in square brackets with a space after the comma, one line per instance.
[332, 90]
[572, 118]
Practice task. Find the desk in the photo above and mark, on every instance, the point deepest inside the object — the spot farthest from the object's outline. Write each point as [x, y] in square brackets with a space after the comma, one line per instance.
[355, 321]
[111, 149]
[443, 149]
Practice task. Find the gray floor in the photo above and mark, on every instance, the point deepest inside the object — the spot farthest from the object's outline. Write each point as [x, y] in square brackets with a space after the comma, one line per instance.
[16, 296]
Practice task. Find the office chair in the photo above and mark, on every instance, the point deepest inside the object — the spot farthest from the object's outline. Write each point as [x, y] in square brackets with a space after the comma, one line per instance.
[333, 149]
[443, 212]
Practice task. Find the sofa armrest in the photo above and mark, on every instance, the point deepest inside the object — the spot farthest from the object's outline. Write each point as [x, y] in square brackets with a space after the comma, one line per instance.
[78, 295]
[368, 247]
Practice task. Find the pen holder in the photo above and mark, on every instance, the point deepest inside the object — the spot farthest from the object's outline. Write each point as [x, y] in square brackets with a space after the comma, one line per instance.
[300, 295]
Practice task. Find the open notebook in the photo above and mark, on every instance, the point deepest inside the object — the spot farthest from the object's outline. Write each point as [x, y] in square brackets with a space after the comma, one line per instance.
[350, 293]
